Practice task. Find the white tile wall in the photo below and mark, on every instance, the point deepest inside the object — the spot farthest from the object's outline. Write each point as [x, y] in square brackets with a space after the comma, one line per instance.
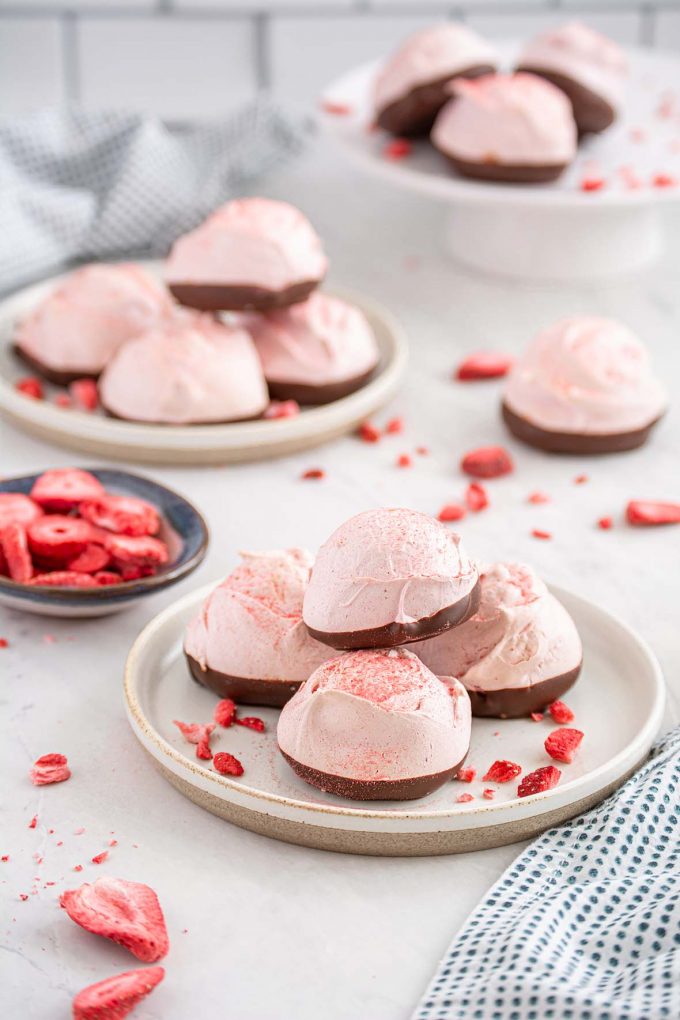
[187, 58]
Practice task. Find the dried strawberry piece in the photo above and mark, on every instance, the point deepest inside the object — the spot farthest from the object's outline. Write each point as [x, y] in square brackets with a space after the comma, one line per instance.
[313, 473]
[560, 712]
[542, 534]
[15, 508]
[394, 427]
[116, 997]
[225, 712]
[65, 579]
[488, 794]
[100, 858]
[466, 775]
[31, 387]
[282, 409]
[502, 772]
[464, 798]
[125, 515]
[368, 432]
[227, 765]
[663, 181]
[484, 365]
[605, 523]
[56, 538]
[138, 551]
[126, 912]
[487, 462]
[649, 512]
[50, 768]
[4, 643]
[33, 822]
[404, 460]
[251, 722]
[104, 577]
[15, 551]
[398, 148]
[476, 497]
[537, 716]
[538, 781]
[133, 572]
[592, 184]
[337, 109]
[562, 744]
[537, 498]
[199, 734]
[84, 392]
[451, 512]
[63, 489]
[90, 560]
[63, 400]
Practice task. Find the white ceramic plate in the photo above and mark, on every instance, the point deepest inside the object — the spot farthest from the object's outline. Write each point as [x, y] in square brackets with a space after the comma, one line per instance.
[618, 703]
[196, 444]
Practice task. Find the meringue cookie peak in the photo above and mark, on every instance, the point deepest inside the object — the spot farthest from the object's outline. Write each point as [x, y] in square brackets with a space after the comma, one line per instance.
[251, 625]
[512, 119]
[192, 369]
[376, 715]
[520, 635]
[585, 375]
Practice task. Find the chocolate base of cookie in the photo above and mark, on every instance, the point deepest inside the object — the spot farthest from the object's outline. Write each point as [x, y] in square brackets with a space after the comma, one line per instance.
[375, 789]
[507, 173]
[393, 634]
[413, 115]
[305, 394]
[53, 375]
[592, 112]
[215, 297]
[516, 702]
[243, 690]
[575, 442]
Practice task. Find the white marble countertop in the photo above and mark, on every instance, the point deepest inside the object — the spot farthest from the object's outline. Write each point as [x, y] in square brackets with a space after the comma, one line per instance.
[261, 930]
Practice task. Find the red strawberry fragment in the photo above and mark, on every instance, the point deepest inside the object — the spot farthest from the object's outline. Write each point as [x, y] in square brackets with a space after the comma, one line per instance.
[125, 515]
[560, 712]
[16, 508]
[466, 775]
[592, 184]
[282, 409]
[488, 794]
[101, 857]
[227, 765]
[484, 365]
[126, 912]
[50, 768]
[33, 822]
[537, 716]
[562, 744]
[464, 798]
[404, 460]
[398, 148]
[30, 386]
[605, 523]
[65, 579]
[107, 577]
[487, 462]
[225, 712]
[199, 734]
[14, 544]
[502, 772]
[537, 498]
[451, 512]
[138, 551]
[84, 393]
[337, 109]
[116, 997]
[476, 497]
[63, 489]
[90, 560]
[368, 432]
[251, 722]
[542, 534]
[313, 473]
[538, 781]
[58, 539]
[394, 427]
[650, 513]
[663, 181]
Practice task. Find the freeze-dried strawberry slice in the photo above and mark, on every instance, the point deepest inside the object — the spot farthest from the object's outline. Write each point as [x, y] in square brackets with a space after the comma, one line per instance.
[65, 579]
[199, 734]
[536, 782]
[502, 772]
[15, 508]
[64, 488]
[484, 365]
[126, 912]
[476, 497]
[138, 551]
[251, 722]
[560, 712]
[225, 712]
[648, 512]
[369, 433]
[487, 462]
[282, 409]
[132, 571]
[227, 765]
[107, 577]
[15, 551]
[116, 997]
[30, 386]
[84, 393]
[57, 538]
[90, 560]
[451, 512]
[562, 744]
[125, 515]
[50, 768]
[464, 798]
[466, 775]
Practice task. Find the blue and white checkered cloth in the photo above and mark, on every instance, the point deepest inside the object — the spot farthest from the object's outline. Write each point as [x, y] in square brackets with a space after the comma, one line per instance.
[585, 925]
[76, 184]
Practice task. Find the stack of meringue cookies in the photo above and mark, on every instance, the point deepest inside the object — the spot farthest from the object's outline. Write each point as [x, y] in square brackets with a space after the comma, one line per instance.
[522, 127]
[382, 650]
[183, 361]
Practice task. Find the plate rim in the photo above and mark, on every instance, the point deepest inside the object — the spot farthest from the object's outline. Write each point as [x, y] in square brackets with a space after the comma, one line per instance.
[543, 802]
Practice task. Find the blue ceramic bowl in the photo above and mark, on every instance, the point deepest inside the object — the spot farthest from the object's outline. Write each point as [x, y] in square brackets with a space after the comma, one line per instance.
[183, 529]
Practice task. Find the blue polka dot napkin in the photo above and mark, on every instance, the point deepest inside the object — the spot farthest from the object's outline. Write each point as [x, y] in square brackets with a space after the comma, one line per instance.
[585, 925]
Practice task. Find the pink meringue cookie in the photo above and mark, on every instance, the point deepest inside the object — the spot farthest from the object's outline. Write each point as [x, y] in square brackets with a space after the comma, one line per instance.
[584, 377]
[250, 253]
[590, 68]
[315, 351]
[376, 725]
[76, 330]
[250, 628]
[388, 577]
[409, 89]
[517, 647]
[189, 370]
[517, 122]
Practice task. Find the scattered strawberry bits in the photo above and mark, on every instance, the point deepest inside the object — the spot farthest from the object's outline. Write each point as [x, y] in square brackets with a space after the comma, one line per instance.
[101, 857]
[369, 433]
[404, 460]
[394, 427]
[488, 794]
[540, 533]
[313, 473]
[649, 513]
[560, 712]
[539, 781]
[398, 148]
[225, 712]
[33, 822]
[605, 523]
[487, 462]
[198, 734]
[451, 512]
[282, 409]
[562, 744]
[466, 775]
[50, 768]
[4, 643]
[337, 109]
[116, 997]
[536, 717]
[227, 765]
[30, 386]
[476, 497]
[664, 181]
[464, 798]
[581, 479]
[483, 365]
[251, 722]
[502, 772]
[84, 393]
[126, 912]
[593, 184]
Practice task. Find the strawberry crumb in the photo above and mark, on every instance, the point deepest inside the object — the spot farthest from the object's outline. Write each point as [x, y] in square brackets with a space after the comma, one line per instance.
[50, 768]
[483, 365]
[464, 798]
[502, 772]
[227, 765]
[422, 451]
[394, 427]
[451, 512]
[33, 822]
[537, 716]
[581, 479]
[77, 867]
[593, 184]
[100, 858]
[251, 722]
[663, 181]
[466, 775]
[31, 387]
[562, 744]
[537, 498]
[4, 643]
[476, 497]
[225, 712]
[368, 432]
[605, 523]
[315, 473]
[63, 400]
[113, 842]
[488, 794]
[539, 533]
[282, 409]
[537, 782]
[560, 712]
[336, 109]
[398, 148]
[404, 460]
[650, 513]
[487, 462]
[23, 896]
[4, 858]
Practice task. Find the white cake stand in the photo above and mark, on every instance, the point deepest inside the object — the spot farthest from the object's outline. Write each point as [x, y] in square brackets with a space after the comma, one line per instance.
[553, 231]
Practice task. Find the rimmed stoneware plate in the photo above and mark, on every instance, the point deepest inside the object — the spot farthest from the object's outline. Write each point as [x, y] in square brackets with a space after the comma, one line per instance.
[618, 703]
[196, 444]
